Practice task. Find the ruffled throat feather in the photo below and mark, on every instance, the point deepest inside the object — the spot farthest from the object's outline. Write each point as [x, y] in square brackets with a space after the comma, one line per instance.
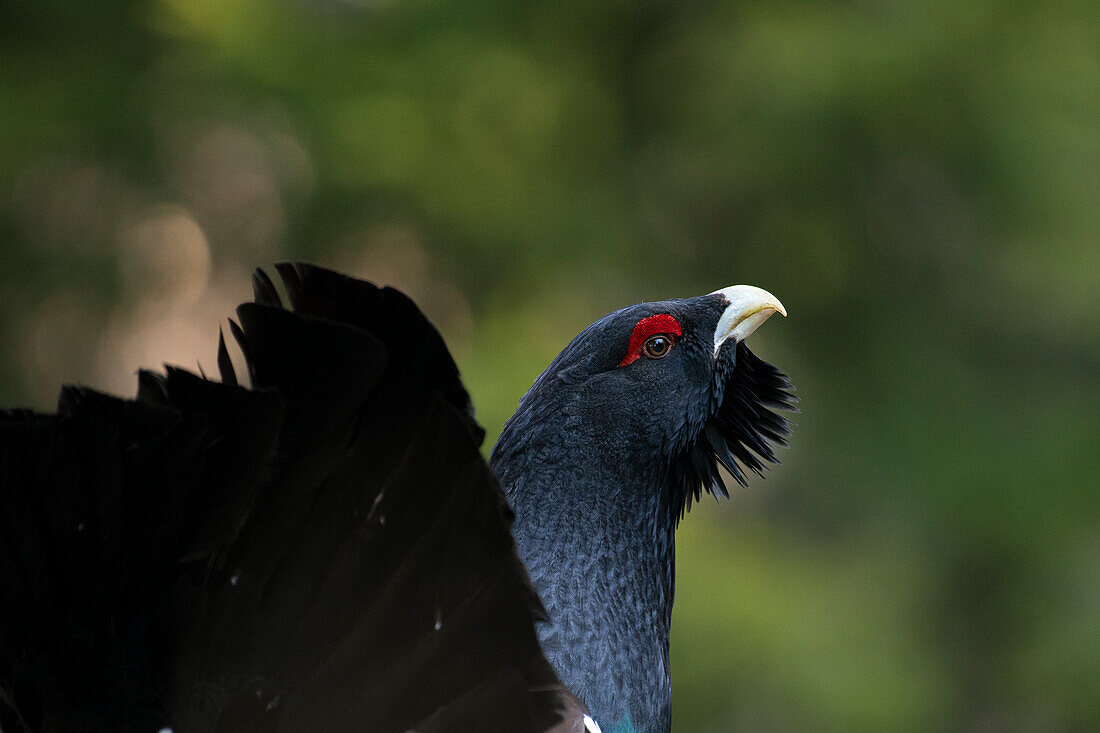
[741, 431]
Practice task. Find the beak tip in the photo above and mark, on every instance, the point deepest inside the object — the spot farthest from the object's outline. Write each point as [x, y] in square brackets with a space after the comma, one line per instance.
[746, 308]
[751, 295]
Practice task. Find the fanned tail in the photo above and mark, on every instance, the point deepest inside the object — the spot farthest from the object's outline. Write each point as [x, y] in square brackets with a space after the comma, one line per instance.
[324, 551]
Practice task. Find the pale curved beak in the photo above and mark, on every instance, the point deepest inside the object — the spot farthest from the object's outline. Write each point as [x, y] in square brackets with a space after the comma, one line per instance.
[748, 307]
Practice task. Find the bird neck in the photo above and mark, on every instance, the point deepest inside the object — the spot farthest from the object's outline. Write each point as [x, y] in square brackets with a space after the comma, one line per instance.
[598, 541]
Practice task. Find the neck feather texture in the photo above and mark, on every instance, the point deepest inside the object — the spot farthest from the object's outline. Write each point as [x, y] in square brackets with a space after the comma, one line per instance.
[598, 541]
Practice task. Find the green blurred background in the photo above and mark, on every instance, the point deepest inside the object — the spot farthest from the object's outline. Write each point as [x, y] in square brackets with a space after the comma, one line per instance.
[918, 181]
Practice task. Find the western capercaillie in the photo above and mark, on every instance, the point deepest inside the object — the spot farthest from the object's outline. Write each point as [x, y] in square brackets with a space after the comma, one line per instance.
[326, 549]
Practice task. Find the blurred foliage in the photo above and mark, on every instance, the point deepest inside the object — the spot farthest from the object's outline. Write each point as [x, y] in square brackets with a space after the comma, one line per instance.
[919, 182]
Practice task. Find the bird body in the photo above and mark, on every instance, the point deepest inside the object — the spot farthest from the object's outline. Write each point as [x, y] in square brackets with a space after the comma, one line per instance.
[326, 550]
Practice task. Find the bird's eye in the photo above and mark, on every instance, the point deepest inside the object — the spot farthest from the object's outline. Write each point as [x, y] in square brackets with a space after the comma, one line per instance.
[656, 347]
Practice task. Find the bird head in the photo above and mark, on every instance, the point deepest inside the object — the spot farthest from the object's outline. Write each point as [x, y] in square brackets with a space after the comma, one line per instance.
[667, 388]
[605, 454]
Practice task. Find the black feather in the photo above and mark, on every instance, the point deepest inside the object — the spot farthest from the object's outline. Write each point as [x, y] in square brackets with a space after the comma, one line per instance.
[741, 432]
[324, 551]
[225, 365]
[263, 289]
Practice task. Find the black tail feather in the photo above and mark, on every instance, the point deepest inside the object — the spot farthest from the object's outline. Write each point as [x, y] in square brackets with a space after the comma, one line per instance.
[263, 290]
[324, 551]
[225, 364]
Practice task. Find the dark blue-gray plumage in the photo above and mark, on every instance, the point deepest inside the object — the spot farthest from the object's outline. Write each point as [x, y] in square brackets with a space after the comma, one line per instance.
[600, 461]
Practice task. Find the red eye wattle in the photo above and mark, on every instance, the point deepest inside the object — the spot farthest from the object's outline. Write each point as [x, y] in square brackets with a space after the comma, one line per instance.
[652, 337]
